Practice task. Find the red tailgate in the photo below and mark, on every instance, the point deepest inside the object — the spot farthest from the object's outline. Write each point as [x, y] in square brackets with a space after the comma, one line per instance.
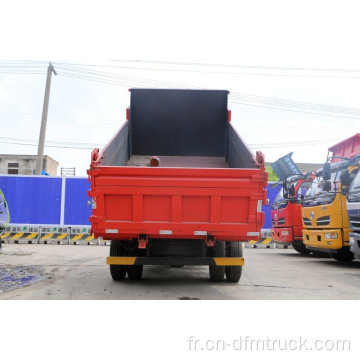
[177, 202]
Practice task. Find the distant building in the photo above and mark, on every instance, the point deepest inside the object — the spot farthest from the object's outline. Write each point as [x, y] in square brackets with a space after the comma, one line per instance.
[25, 164]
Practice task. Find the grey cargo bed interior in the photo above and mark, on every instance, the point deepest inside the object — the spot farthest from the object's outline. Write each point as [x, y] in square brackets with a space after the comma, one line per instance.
[180, 161]
[184, 128]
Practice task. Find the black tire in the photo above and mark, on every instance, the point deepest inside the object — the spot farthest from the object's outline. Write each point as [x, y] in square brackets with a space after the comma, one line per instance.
[343, 255]
[320, 254]
[299, 246]
[134, 271]
[118, 272]
[217, 272]
[233, 249]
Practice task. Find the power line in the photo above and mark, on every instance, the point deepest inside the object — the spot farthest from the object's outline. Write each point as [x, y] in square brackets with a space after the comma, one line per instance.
[297, 111]
[56, 144]
[275, 102]
[200, 64]
[294, 103]
[237, 98]
[52, 146]
[204, 65]
[240, 66]
[232, 72]
[110, 78]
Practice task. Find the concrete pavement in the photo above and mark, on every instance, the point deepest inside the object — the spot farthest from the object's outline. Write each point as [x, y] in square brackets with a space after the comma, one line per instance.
[80, 272]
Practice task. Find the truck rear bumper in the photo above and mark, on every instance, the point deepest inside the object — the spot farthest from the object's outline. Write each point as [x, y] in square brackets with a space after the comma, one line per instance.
[170, 260]
[282, 235]
[316, 239]
[354, 240]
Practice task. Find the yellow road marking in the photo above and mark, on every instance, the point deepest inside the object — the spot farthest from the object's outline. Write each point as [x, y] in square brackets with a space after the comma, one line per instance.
[229, 261]
[31, 236]
[120, 260]
[77, 237]
[4, 236]
[267, 240]
[61, 236]
[16, 236]
[47, 236]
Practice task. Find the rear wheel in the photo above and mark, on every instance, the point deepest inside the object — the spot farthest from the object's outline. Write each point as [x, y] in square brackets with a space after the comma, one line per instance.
[299, 246]
[217, 272]
[135, 272]
[118, 272]
[343, 255]
[233, 249]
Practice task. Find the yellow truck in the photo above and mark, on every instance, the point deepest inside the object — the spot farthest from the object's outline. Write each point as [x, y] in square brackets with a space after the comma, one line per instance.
[324, 211]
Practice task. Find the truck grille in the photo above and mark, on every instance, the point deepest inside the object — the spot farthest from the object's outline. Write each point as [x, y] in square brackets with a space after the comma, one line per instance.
[281, 221]
[322, 221]
[355, 221]
[273, 221]
[307, 221]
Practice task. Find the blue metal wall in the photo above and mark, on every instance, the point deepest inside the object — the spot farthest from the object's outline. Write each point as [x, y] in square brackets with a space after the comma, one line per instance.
[271, 194]
[32, 200]
[37, 200]
[77, 202]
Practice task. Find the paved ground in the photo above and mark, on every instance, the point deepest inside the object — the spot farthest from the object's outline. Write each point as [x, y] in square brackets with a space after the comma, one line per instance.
[80, 272]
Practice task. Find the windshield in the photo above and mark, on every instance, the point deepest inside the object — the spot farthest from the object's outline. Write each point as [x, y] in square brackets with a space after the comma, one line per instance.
[354, 193]
[304, 187]
[316, 196]
[279, 201]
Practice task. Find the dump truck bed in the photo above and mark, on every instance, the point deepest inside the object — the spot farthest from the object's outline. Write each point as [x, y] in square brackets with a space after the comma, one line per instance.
[208, 183]
[180, 161]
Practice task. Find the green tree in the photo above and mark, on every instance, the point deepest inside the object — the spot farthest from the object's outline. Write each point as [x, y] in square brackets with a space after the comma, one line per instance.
[271, 172]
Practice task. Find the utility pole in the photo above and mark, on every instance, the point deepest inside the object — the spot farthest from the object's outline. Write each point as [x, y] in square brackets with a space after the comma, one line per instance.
[40, 154]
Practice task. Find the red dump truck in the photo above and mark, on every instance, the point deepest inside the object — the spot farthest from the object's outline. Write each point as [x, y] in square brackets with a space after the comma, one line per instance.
[177, 185]
[286, 215]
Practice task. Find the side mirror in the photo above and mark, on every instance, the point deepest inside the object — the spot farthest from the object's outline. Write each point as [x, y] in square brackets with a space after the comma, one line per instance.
[292, 190]
[327, 171]
[345, 178]
[327, 185]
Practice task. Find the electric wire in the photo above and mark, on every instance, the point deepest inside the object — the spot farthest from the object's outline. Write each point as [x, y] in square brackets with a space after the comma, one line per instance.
[82, 73]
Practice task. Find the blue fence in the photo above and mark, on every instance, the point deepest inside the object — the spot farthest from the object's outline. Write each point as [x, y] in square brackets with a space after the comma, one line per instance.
[271, 194]
[49, 200]
[77, 202]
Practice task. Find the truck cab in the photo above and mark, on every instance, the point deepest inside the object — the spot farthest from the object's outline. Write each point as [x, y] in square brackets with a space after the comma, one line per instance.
[353, 208]
[324, 211]
[286, 211]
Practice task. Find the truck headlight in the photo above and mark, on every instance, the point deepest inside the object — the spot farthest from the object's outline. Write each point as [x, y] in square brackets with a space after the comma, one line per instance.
[285, 232]
[331, 235]
[351, 240]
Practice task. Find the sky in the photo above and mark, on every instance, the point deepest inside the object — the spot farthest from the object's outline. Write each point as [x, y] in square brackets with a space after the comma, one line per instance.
[292, 69]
